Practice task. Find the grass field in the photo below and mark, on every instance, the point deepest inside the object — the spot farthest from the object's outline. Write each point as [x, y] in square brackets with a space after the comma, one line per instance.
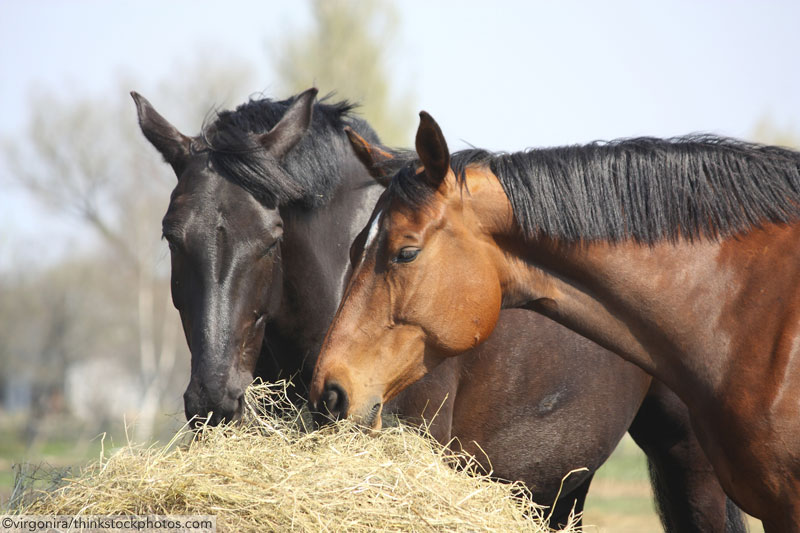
[61, 444]
[621, 501]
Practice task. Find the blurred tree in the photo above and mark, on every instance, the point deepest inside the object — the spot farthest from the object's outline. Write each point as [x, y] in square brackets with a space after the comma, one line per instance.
[86, 158]
[49, 319]
[346, 51]
[768, 132]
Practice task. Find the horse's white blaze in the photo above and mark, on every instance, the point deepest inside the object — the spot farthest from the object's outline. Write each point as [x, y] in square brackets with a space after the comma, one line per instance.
[371, 234]
[373, 230]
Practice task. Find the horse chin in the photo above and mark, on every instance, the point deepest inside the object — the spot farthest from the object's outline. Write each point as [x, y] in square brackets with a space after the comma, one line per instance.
[198, 422]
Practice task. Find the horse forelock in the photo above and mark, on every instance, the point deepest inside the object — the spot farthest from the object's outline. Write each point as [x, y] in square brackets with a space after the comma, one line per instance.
[309, 172]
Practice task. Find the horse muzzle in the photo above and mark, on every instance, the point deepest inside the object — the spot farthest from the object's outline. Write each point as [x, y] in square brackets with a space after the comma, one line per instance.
[334, 403]
[212, 409]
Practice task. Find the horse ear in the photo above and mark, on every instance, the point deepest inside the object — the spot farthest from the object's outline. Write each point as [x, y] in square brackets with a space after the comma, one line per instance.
[371, 156]
[291, 127]
[432, 149]
[171, 143]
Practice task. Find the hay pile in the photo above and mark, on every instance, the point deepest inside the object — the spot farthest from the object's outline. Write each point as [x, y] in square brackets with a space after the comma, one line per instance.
[268, 475]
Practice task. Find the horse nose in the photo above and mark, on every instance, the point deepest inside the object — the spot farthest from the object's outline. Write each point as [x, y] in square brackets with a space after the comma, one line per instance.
[229, 410]
[201, 410]
[193, 405]
[333, 402]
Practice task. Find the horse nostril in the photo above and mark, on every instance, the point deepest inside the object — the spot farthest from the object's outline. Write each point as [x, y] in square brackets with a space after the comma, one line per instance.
[334, 401]
[374, 411]
[374, 414]
[331, 399]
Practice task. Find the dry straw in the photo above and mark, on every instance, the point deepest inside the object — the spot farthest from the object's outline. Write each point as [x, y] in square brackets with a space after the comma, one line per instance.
[268, 475]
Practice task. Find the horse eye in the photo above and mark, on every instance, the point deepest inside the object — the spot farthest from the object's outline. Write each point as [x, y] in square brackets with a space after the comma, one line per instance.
[272, 247]
[406, 255]
[173, 247]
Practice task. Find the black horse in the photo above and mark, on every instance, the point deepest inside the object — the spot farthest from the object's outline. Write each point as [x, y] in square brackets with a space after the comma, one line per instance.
[270, 197]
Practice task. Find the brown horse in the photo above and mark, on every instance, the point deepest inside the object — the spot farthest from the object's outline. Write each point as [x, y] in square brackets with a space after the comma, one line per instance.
[680, 255]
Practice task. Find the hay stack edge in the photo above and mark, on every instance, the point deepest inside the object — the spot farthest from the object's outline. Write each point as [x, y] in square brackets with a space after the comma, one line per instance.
[266, 474]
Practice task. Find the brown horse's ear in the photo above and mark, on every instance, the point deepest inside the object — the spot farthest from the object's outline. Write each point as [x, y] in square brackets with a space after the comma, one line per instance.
[291, 127]
[172, 144]
[371, 156]
[432, 149]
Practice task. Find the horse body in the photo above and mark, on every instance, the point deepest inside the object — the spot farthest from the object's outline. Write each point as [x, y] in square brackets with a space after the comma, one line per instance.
[685, 326]
[741, 380]
[259, 268]
[709, 309]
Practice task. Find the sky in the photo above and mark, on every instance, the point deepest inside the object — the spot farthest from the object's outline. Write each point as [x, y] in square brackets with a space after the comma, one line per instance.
[502, 75]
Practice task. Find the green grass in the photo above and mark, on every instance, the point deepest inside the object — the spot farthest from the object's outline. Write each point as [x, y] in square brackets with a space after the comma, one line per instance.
[6, 484]
[631, 505]
[48, 457]
[627, 463]
[621, 500]
[60, 443]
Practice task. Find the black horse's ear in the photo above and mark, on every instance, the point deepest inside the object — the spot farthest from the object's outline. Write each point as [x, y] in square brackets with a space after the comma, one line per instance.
[432, 150]
[371, 156]
[292, 126]
[172, 144]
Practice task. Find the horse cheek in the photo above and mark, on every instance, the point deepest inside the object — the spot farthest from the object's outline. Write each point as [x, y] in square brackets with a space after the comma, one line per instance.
[489, 312]
[479, 320]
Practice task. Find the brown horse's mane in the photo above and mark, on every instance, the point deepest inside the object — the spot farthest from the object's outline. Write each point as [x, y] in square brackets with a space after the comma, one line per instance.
[645, 189]
[231, 139]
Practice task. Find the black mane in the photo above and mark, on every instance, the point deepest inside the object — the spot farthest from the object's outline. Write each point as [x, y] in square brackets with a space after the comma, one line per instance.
[232, 142]
[644, 189]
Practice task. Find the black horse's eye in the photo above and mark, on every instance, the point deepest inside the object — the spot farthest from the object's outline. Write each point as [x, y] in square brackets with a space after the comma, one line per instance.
[272, 248]
[173, 247]
[406, 255]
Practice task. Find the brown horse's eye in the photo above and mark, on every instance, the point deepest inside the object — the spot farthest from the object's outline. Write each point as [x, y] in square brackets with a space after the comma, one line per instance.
[406, 255]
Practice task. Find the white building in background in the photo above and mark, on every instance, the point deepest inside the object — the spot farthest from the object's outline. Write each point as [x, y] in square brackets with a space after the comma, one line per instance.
[17, 393]
[102, 388]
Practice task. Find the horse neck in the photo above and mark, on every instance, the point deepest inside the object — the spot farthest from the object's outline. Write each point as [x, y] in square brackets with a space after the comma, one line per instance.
[611, 293]
[675, 309]
[315, 259]
[649, 304]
